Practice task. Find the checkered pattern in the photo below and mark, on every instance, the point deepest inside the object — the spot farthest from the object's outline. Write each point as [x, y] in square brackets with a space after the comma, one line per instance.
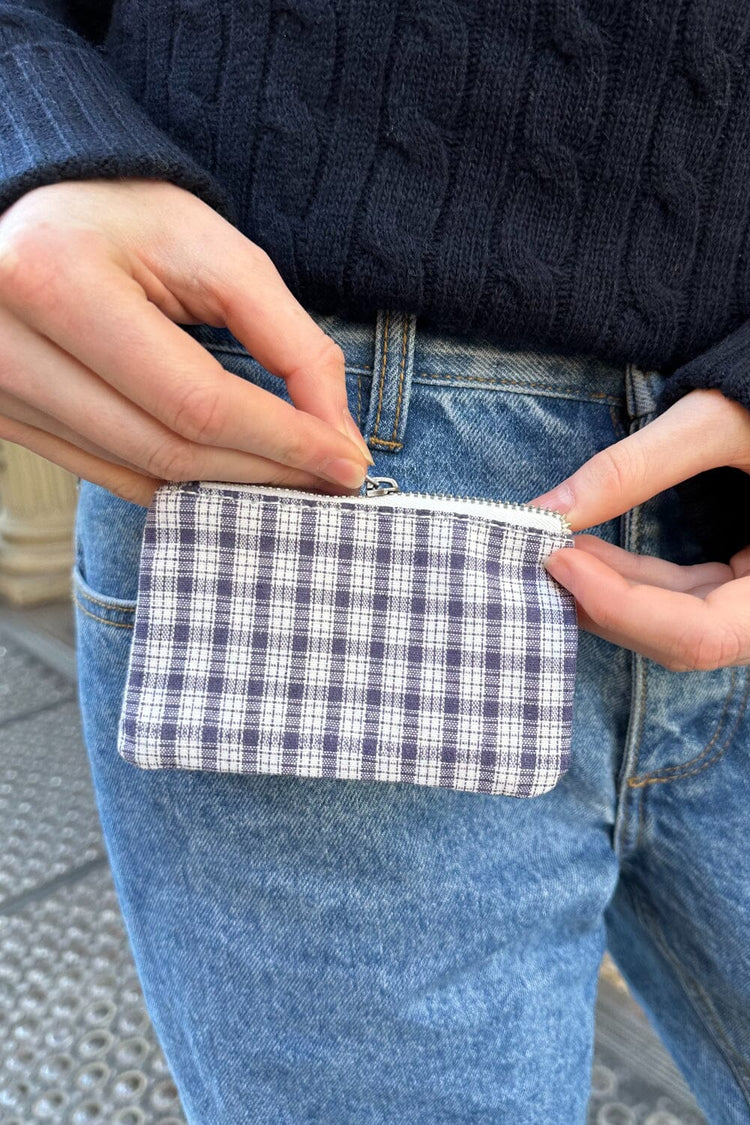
[348, 639]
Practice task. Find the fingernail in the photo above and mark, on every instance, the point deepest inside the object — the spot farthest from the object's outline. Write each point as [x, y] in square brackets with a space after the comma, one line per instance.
[560, 499]
[355, 433]
[344, 471]
[550, 558]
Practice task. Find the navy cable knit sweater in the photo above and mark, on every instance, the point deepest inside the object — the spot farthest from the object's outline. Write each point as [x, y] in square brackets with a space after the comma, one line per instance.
[563, 174]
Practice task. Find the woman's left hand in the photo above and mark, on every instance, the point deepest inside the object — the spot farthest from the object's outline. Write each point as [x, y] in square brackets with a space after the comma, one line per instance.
[685, 617]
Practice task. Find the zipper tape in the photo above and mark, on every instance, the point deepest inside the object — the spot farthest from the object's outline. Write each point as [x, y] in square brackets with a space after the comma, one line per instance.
[386, 492]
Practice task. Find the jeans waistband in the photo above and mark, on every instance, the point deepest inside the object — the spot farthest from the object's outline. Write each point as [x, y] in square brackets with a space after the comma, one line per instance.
[393, 351]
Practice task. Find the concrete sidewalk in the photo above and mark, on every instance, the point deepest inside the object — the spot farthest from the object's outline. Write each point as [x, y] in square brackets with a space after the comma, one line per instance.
[76, 1044]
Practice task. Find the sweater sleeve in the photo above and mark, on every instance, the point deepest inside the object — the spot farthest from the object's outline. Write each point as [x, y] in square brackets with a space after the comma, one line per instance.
[725, 367]
[66, 114]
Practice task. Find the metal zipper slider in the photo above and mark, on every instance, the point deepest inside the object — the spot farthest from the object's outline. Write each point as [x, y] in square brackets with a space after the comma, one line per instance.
[380, 486]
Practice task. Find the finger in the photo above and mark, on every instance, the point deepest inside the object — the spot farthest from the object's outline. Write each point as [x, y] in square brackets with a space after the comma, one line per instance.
[652, 570]
[241, 288]
[99, 315]
[740, 563]
[65, 398]
[14, 409]
[134, 487]
[676, 629]
[702, 430]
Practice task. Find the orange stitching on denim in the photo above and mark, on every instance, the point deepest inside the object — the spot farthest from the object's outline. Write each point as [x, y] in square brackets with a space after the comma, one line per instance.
[383, 362]
[359, 401]
[104, 620]
[640, 783]
[707, 749]
[381, 442]
[108, 605]
[401, 376]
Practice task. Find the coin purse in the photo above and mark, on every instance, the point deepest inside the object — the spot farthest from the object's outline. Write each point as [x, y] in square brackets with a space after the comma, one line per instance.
[389, 636]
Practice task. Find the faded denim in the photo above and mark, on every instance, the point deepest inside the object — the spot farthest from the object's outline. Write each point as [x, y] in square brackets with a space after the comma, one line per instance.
[368, 953]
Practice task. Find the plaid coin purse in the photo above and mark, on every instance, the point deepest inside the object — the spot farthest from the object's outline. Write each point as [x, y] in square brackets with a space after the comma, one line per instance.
[388, 636]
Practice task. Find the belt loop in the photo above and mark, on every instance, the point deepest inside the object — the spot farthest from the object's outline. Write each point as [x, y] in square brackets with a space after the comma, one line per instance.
[392, 370]
[641, 391]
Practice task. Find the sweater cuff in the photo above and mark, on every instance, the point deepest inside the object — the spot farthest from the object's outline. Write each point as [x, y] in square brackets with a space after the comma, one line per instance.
[66, 115]
[725, 367]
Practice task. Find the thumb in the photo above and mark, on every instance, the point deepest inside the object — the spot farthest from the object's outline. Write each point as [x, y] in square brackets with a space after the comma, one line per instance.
[702, 430]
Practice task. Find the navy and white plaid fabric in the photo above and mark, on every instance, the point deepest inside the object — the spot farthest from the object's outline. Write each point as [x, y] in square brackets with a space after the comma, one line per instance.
[285, 635]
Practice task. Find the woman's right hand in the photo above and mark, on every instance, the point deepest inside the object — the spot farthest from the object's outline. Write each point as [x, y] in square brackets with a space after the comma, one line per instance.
[96, 375]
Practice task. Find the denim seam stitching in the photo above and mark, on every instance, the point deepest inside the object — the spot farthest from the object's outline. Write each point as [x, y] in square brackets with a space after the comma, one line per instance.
[693, 990]
[707, 748]
[639, 699]
[504, 380]
[381, 442]
[103, 620]
[351, 368]
[639, 783]
[108, 605]
[383, 362]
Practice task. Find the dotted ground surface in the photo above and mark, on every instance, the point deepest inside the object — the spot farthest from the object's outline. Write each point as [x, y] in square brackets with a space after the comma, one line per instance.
[76, 1043]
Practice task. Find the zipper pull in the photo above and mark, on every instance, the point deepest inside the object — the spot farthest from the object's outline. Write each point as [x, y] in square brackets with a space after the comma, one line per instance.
[380, 486]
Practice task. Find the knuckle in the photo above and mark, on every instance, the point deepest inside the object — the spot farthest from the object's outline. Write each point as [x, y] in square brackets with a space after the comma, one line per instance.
[603, 615]
[258, 258]
[327, 362]
[295, 449]
[715, 648]
[35, 259]
[618, 466]
[331, 356]
[676, 661]
[172, 460]
[133, 491]
[199, 415]
[25, 265]
[719, 649]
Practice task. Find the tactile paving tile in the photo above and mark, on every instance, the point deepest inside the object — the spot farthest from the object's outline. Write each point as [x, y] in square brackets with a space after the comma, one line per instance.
[76, 1044]
[26, 683]
[633, 1080]
[48, 818]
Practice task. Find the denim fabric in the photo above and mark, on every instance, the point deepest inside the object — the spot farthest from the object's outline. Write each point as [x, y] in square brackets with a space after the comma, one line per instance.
[319, 950]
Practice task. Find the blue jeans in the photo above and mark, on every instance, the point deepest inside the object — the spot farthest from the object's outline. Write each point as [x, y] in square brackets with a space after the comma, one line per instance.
[336, 951]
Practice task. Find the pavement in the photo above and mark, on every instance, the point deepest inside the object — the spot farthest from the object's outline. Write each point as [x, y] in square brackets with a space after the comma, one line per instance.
[76, 1043]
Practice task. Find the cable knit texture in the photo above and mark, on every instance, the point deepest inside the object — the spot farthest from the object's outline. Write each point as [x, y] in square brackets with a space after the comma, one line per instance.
[561, 174]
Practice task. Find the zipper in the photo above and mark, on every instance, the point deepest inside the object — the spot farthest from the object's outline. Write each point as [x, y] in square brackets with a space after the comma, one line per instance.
[387, 493]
